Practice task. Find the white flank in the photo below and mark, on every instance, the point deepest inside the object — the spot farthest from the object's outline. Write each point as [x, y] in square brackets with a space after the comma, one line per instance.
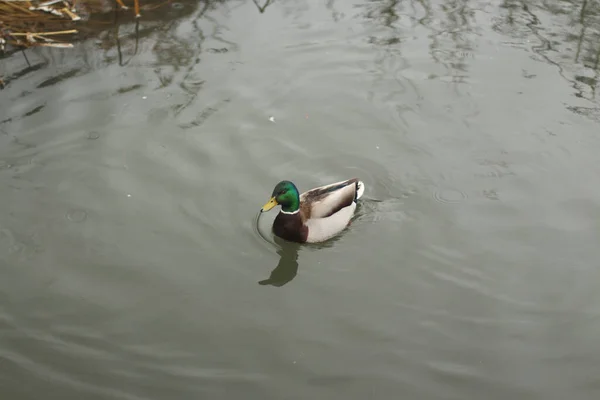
[321, 229]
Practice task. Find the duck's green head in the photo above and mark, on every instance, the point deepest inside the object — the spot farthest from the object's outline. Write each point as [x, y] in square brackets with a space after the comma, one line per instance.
[286, 195]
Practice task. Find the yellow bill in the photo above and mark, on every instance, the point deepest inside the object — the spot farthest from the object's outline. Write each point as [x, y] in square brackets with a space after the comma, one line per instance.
[270, 204]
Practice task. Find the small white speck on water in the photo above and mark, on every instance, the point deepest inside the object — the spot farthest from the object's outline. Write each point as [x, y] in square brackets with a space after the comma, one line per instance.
[128, 195]
[377, 147]
[272, 119]
[294, 362]
[144, 97]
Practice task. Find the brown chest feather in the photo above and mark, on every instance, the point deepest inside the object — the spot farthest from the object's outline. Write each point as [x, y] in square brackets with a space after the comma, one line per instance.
[290, 227]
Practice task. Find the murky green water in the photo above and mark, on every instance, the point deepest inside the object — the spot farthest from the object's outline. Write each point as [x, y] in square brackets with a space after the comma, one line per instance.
[130, 182]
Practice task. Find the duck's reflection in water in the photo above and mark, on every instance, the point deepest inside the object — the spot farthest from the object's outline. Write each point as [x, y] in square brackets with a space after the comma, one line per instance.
[287, 267]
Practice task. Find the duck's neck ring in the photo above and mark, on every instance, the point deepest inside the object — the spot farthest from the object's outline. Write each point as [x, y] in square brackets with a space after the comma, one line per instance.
[290, 212]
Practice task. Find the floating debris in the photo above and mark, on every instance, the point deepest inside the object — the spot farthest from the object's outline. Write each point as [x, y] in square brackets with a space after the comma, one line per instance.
[26, 24]
[62, 23]
[136, 7]
[29, 23]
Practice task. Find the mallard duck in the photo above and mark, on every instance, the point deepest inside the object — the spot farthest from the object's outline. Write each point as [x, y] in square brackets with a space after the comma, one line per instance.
[315, 215]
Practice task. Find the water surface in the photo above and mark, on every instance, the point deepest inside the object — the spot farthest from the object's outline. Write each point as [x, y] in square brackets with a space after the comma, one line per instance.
[131, 173]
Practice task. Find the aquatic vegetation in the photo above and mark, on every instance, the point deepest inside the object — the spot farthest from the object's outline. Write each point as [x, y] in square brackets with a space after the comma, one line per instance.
[51, 23]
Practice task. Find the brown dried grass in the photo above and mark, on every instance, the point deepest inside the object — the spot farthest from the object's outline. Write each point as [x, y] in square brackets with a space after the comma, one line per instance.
[49, 23]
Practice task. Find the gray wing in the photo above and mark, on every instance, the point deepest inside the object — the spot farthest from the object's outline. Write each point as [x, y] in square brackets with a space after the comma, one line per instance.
[329, 199]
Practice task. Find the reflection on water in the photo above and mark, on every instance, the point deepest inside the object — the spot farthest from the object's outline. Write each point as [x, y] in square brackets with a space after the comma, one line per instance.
[287, 267]
[131, 168]
[262, 8]
[566, 34]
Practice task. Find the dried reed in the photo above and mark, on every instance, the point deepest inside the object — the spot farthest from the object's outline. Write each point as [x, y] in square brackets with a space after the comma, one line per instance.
[26, 23]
